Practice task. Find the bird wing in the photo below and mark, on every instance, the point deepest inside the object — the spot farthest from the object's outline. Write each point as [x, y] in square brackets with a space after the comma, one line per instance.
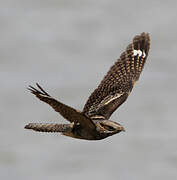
[67, 112]
[120, 79]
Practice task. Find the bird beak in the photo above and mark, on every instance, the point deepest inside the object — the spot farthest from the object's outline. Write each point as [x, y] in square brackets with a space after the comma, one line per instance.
[122, 129]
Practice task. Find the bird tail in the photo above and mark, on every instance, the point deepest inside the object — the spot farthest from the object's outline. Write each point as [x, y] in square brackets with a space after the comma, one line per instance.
[46, 127]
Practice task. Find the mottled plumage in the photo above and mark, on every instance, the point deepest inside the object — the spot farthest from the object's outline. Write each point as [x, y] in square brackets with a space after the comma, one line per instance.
[93, 122]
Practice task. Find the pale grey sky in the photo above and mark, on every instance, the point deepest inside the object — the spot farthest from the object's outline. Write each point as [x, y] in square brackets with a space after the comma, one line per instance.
[67, 46]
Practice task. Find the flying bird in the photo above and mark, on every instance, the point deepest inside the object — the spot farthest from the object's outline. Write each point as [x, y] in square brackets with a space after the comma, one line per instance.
[92, 123]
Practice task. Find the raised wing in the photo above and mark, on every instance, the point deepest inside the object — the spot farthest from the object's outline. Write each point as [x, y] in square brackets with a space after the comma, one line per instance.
[119, 81]
[67, 112]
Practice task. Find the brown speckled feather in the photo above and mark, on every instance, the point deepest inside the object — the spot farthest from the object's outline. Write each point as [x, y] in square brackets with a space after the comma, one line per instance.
[93, 122]
[120, 79]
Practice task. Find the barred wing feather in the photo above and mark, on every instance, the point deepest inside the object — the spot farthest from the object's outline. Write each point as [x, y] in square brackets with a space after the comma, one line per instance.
[120, 79]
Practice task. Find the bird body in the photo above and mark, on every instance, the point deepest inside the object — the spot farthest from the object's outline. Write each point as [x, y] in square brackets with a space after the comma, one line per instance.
[93, 122]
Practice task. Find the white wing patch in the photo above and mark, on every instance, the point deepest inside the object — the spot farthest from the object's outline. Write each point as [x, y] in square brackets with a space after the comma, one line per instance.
[104, 102]
[139, 52]
[110, 98]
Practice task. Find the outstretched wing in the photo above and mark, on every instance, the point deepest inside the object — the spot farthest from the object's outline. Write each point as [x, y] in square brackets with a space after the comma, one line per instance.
[119, 81]
[67, 112]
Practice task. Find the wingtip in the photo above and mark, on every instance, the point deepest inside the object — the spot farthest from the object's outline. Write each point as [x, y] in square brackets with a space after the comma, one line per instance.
[142, 42]
[31, 89]
[37, 84]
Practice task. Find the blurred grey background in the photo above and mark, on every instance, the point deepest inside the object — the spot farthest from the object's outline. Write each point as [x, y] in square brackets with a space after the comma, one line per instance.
[68, 46]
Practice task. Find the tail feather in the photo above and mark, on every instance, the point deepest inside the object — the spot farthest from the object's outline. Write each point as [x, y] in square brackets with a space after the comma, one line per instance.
[46, 127]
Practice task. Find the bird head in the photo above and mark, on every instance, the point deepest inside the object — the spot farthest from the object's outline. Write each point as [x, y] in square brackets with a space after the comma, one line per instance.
[110, 127]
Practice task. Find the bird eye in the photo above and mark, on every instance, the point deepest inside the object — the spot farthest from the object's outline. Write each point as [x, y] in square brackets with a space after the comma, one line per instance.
[107, 127]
